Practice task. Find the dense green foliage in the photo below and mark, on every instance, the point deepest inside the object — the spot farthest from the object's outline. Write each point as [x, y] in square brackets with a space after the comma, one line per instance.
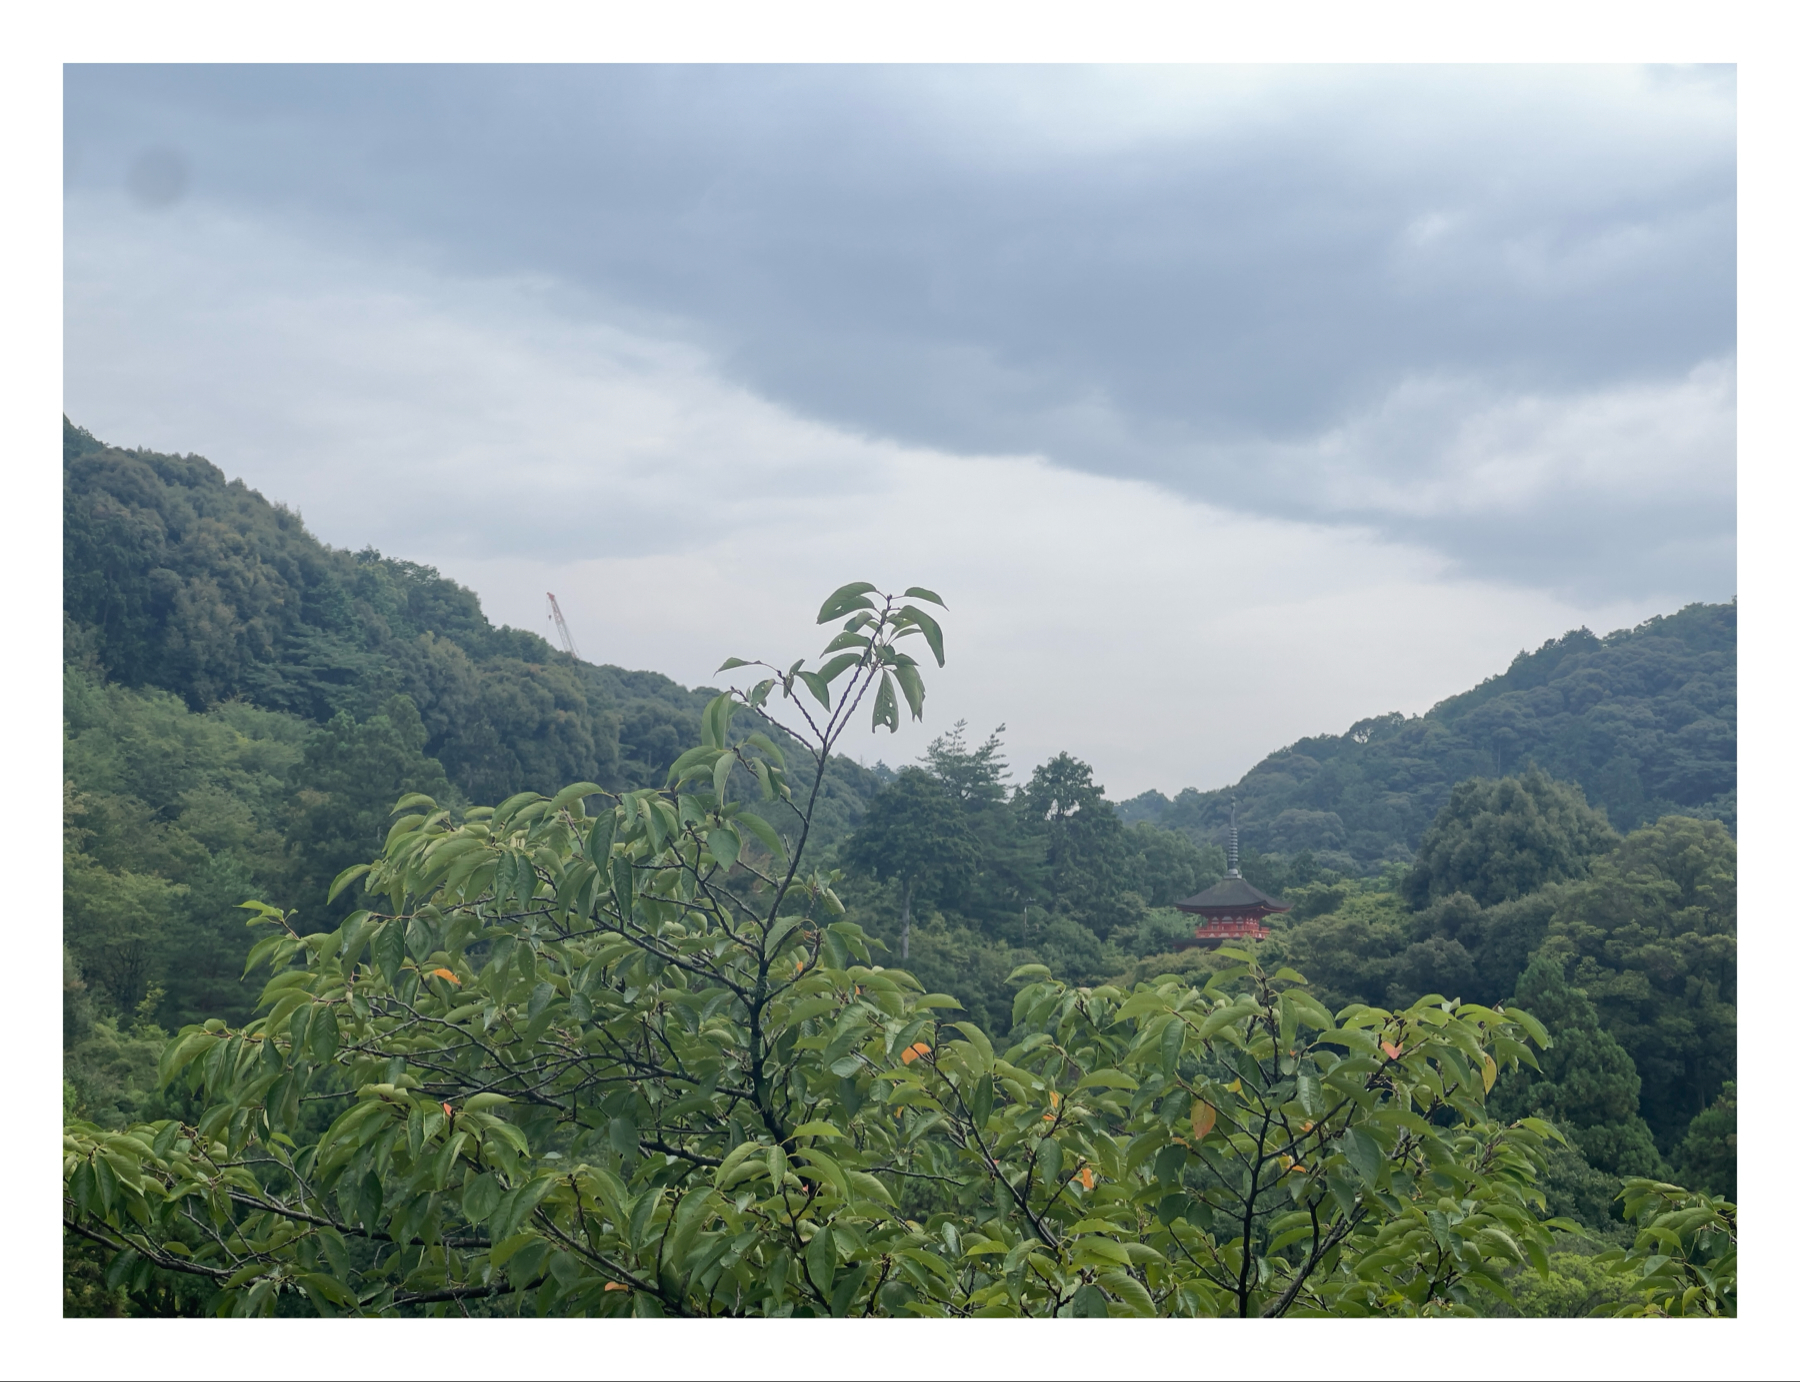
[243, 705]
[174, 578]
[1632, 966]
[1652, 938]
[629, 1063]
[1495, 841]
[1046, 874]
[1645, 720]
[1586, 1084]
[1684, 1256]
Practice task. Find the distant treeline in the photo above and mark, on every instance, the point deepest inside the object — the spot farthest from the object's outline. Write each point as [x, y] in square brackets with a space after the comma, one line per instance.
[1644, 719]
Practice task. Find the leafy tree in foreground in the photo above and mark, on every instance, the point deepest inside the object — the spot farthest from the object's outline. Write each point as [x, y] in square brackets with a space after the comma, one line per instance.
[636, 1063]
[1685, 1253]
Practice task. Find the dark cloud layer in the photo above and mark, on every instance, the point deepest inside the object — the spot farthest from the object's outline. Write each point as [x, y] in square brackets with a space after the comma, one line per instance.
[1210, 288]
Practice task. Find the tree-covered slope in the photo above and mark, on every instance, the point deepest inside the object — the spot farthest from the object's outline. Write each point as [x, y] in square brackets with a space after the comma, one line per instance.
[1645, 719]
[243, 705]
[176, 578]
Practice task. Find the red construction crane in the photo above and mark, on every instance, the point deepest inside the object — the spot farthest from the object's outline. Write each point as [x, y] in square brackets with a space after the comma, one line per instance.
[562, 627]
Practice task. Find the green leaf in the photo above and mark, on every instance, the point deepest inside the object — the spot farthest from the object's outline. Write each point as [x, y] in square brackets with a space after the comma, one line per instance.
[979, 1041]
[332, 1290]
[731, 662]
[913, 688]
[1106, 1079]
[1364, 1155]
[345, 879]
[598, 847]
[622, 1134]
[764, 832]
[179, 1052]
[838, 665]
[413, 801]
[570, 795]
[757, 739]
[481, 1198]
[509, 808]
[388, 949]
[700, 756]
[844, 599]
[919, 592]
[322, 1035]
[721, 773]
[723, 844]
[887, 709]
[818, 686]
[827, 1166]
[505, 1252]
[624, 886]
[1532, 1026]
[821, 1255]
[715, 721]
[846, 1290]
[869, 1187]
[934, 636]
[1131, 1291]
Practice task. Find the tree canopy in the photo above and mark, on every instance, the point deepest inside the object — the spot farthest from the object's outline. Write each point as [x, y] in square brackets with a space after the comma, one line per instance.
[636, 1062]
[1644, 720]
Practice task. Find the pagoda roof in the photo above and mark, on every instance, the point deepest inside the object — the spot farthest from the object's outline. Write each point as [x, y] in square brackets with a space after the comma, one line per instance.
[1233, 894]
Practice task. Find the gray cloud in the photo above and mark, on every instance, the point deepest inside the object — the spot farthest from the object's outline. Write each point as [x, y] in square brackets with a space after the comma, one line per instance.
[1464, 307]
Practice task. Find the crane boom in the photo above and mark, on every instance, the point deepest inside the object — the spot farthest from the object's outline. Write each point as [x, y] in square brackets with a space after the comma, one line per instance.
[562, 627]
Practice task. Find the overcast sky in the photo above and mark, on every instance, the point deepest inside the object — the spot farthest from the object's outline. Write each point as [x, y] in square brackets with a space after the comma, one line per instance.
[1222, 405]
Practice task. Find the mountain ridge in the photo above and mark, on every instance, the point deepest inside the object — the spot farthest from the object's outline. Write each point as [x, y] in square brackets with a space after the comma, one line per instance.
[1644, 719]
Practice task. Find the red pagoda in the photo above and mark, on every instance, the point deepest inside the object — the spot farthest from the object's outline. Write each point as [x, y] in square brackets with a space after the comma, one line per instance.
[1232, 909]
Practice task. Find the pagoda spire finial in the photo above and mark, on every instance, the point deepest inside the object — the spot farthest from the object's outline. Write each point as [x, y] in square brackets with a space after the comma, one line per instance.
[1231, 853]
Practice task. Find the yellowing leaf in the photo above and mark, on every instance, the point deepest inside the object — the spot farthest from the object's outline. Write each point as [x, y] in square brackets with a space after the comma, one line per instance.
[447, 975]
[913, 1052]
[1392, 1051]
[1205, 1115]
[1488, 1072]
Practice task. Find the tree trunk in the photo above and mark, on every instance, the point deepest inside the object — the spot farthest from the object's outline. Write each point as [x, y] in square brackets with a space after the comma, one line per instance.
[905, 921]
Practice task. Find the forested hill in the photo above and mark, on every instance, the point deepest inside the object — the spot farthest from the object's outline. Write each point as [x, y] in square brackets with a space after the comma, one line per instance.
[175, 577]
[243, 705]
[1645, 719]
